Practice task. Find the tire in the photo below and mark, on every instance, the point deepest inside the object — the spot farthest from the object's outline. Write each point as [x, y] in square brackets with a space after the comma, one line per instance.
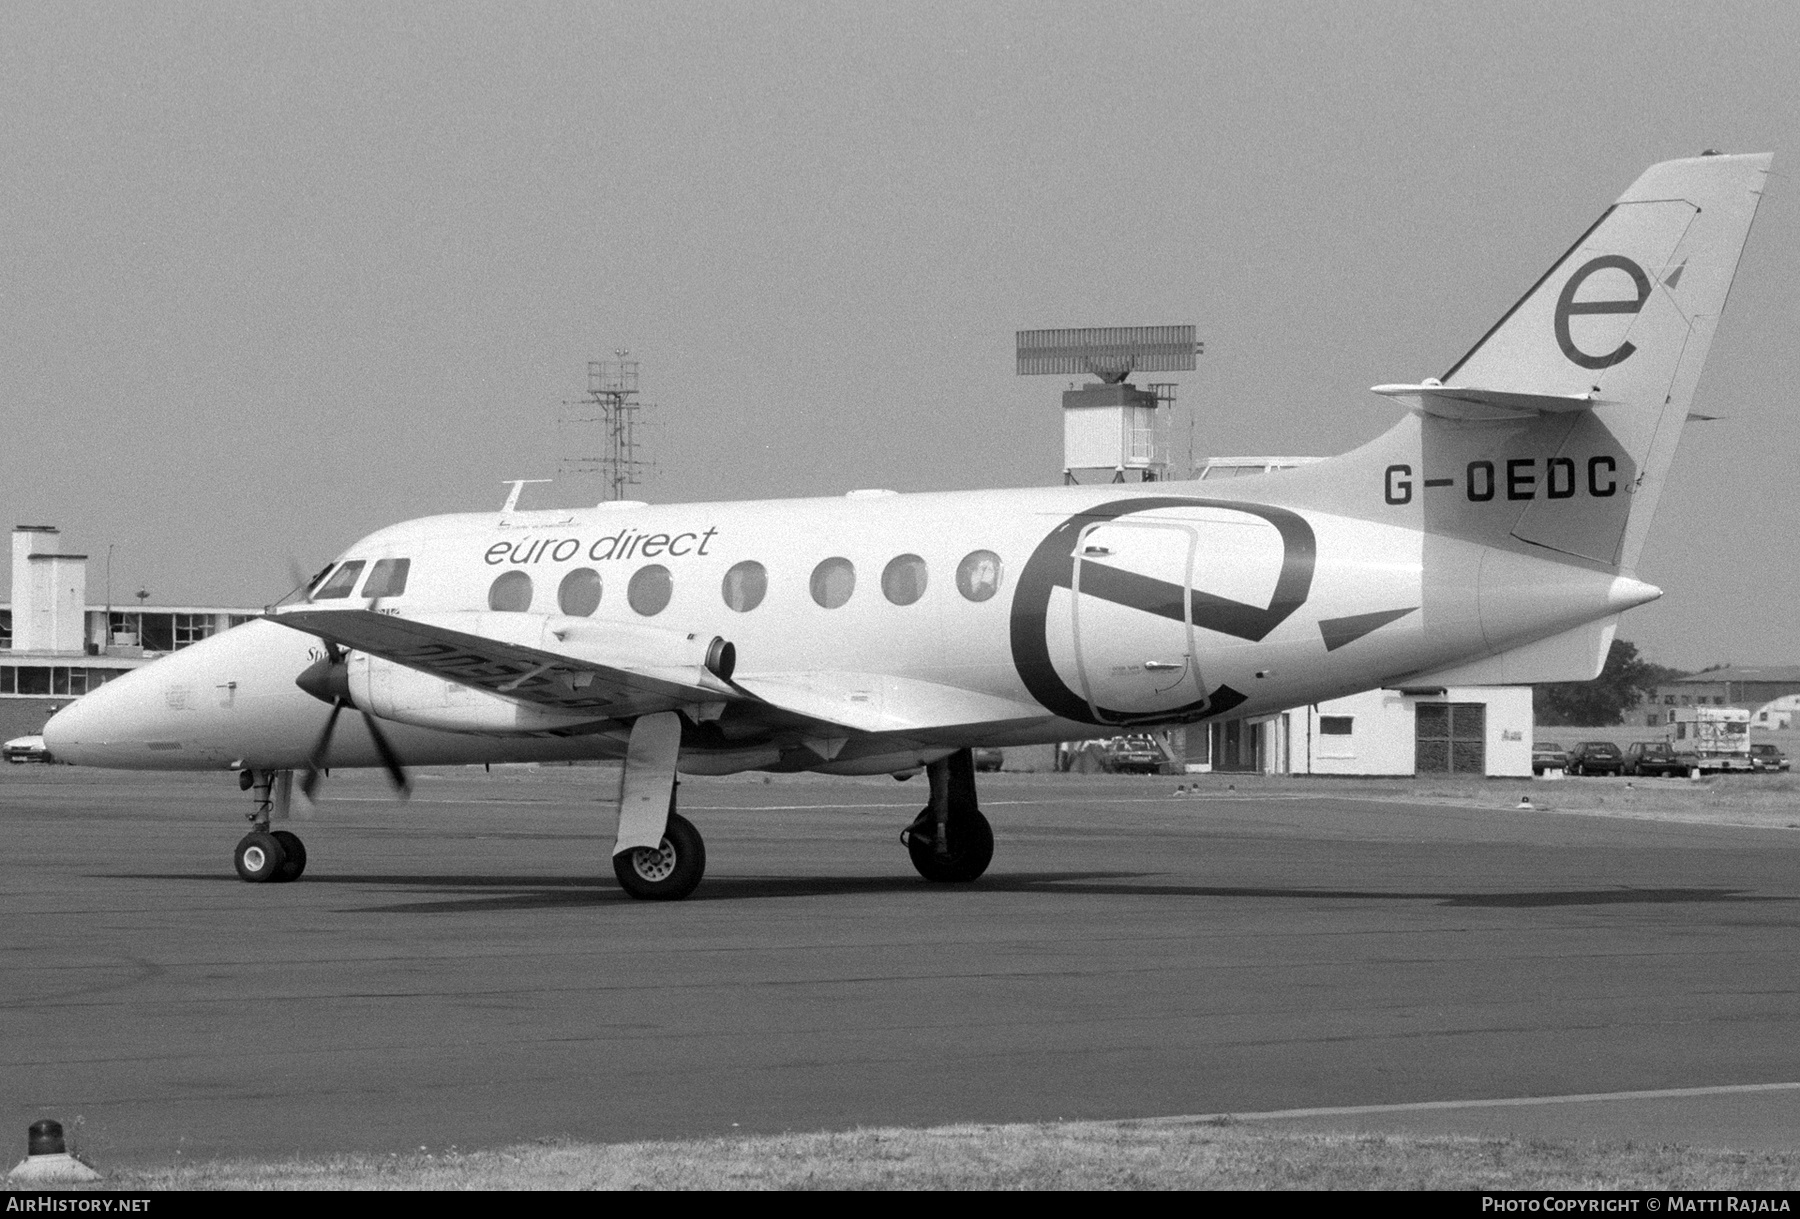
[669, 873]
[294, 856]
[971, 850]
[259, 857]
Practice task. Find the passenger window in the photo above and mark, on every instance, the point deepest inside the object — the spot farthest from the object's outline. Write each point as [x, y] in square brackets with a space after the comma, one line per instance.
[832, 582]
[510, 592]
[650, 589]
[341, 582]
[579, 593]
[746, 584]
[903, 580]
[978, 576]
[388, 579]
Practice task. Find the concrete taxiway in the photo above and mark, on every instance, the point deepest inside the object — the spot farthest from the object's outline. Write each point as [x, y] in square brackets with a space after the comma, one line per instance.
[462, 970]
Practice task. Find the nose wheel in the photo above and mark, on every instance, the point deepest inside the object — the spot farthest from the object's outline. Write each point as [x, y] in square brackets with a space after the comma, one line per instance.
[264, 855]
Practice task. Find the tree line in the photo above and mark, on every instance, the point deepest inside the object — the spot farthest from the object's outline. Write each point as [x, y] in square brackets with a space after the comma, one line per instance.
[1625, 681]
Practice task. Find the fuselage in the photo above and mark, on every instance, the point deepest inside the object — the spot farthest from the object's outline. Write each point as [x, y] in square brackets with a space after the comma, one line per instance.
[1040, 614]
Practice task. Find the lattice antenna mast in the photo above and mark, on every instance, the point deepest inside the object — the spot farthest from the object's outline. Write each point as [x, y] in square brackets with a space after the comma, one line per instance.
[612, 403]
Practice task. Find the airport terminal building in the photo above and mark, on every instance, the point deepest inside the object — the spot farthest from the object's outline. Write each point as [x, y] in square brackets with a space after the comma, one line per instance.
[55, 645]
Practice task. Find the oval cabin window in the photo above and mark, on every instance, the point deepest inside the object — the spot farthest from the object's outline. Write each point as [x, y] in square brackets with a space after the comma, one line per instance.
[579, 593]
[510, 592]
[832, 582]
[745, 585]
[978, 576]
[903, 580]
[650, 589]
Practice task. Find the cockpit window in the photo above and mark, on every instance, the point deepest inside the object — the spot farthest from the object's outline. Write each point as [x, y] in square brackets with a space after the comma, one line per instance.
[318, 578]
[341, 582]
[388, 579]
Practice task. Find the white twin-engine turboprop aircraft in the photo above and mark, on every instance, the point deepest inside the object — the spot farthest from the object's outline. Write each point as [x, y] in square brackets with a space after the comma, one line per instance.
[1489, 537]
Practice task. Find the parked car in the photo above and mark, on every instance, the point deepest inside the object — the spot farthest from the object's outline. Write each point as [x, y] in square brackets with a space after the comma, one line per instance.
[1767, 759]
[25, 749]
[989, 759]
[1133, 755]
[1547, 755]
[1595, 758]
[1654, 758]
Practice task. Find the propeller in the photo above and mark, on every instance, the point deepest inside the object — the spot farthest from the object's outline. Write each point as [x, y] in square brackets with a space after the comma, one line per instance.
[328, 680]
[303, 583]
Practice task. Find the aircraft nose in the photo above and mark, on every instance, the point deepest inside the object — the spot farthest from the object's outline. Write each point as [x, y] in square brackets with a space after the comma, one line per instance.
[69, 728]
[100, 727]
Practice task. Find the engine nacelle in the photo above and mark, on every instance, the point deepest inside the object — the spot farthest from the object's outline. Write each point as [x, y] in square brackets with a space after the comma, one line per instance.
[408, 696]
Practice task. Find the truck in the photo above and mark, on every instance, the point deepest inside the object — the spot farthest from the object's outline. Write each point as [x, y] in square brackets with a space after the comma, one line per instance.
[1712, 740]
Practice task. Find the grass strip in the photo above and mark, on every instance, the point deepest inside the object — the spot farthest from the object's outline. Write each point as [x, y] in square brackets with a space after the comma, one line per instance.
[1074, 1155]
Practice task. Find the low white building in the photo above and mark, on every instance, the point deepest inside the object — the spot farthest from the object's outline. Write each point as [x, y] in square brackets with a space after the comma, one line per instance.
[1460, 730]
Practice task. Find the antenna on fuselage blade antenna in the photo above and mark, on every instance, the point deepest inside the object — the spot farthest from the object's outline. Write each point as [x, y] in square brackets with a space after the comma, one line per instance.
[517, 485]
[1110, 426]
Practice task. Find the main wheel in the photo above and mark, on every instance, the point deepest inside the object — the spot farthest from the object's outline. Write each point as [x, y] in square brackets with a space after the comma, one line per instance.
[259, 857]
[971, 849]
[668, 873]
[293, 855]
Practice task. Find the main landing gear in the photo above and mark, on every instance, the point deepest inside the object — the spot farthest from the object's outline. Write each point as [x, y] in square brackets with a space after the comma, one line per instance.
[267, 855]
[950, 841]
[668, 872]
[672, 868]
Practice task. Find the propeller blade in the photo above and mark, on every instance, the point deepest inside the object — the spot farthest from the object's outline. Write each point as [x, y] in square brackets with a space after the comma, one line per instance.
[389, 759]
[303, 583]
[315, 761]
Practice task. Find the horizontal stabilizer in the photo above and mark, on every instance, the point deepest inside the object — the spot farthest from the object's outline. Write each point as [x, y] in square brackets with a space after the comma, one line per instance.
[1465, 402]
[1575, 655]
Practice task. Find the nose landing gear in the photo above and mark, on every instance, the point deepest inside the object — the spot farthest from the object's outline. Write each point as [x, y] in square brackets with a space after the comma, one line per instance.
[950, 842]
[266, 855]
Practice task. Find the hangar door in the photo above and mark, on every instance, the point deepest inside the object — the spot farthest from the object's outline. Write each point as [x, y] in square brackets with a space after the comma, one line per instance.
[1450, 739]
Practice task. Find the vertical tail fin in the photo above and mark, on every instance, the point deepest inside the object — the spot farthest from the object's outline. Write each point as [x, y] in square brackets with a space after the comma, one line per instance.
[1624, 318]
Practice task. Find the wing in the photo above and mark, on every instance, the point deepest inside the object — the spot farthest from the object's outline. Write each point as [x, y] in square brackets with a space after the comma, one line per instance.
[568, 664]
[615, 671]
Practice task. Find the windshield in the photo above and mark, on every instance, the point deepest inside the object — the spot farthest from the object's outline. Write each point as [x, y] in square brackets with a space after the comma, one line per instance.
[341, 582]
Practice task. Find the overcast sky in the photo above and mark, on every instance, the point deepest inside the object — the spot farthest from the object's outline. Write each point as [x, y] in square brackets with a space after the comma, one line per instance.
[274, 276]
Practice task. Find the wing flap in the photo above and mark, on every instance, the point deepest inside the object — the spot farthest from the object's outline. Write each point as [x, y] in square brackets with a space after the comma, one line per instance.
[879, 702]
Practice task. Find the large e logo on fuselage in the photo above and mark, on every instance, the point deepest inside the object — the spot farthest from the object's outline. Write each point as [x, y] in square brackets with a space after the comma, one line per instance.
[1567, 306]
[1052, 566]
